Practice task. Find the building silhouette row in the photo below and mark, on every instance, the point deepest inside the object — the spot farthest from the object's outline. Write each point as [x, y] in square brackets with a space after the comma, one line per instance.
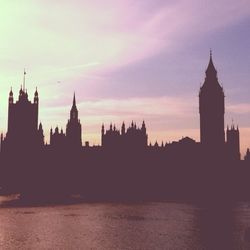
[124, 156]
[24, 131]
[133, 137]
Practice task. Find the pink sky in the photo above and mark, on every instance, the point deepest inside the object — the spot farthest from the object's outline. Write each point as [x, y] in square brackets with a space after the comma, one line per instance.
[126, 60]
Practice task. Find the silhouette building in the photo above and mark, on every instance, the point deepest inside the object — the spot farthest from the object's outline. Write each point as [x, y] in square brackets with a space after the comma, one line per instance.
[125, 165]
[233, 142]
[23, 131]
[73, 137]
[134, 137]
[212, 109]
[57, 139]
[74, 128]
[247, 156]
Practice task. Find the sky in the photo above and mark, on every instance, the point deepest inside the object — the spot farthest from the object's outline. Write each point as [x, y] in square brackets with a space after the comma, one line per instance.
[126, 60]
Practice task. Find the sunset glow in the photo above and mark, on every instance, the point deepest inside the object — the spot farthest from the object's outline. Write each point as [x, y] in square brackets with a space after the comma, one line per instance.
[126, 60]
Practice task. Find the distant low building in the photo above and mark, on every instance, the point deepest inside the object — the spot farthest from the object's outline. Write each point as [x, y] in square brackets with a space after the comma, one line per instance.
[247, 156]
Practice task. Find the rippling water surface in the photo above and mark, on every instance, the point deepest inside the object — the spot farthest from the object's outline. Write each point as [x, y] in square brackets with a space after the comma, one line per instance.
[123, 226]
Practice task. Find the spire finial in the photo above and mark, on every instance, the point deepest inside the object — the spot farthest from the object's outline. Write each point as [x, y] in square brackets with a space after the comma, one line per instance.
[232, 126]
[210, 56]
[74, 100]
[24, 73]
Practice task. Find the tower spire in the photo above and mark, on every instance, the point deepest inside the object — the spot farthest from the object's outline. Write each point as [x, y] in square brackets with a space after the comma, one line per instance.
[73, 111]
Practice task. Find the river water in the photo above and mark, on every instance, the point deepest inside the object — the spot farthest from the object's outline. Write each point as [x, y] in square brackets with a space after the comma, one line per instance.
[160, 225]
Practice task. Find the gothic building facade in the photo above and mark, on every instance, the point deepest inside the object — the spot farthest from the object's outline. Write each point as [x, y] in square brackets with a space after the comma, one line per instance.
[134, 137]
[57, 138]
[73, 137]
[233, 142]
[74, 128]
[23, 130]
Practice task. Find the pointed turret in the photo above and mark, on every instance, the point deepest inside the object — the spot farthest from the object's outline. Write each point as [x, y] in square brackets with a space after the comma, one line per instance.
[11, 93]
[74, 101]
[21, 91]
[102, 129]
[41, 135]
[36, 99]
[211, 80]
[143, 127]
[123, 128]
[11, 99]
[210, 68]
[74, 111]
[74, 128]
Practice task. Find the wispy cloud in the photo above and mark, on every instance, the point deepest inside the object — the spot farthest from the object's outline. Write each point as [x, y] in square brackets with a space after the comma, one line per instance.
[239, 108]
[162, 115]
[140, 107]
[73, 67]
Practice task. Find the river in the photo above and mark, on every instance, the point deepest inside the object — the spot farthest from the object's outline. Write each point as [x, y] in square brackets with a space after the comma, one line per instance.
[151, 225]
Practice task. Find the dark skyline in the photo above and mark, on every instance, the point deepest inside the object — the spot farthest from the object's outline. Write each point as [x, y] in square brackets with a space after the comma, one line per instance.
[23, 119]
[125, 166]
